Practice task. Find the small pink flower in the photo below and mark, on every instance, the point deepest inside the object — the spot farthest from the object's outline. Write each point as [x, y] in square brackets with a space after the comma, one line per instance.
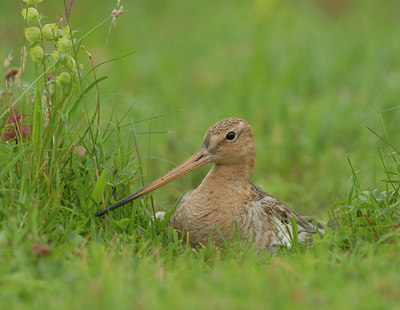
[14, 127]
[115, 13]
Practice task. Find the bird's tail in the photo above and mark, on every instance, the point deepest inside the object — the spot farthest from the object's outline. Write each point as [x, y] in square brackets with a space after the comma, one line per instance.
[321, 226]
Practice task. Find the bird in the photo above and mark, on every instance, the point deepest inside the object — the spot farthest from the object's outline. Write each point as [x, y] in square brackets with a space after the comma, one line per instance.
[226, 203]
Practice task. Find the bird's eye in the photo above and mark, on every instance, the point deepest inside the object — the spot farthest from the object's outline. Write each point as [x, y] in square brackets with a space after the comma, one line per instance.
[231, 135]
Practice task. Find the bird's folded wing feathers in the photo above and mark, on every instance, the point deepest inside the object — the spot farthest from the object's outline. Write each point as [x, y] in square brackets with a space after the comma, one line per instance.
[280, 212]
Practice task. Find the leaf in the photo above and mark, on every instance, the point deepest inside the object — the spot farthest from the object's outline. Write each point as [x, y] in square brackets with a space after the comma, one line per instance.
[122, 224]
[100, 185]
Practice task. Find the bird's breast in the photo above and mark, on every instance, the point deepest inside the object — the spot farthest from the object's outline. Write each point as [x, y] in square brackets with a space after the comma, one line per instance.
[210, 211]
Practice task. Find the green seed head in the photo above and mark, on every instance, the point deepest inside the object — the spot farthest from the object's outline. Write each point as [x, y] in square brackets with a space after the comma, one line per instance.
[31, 15]
[64, 79]
[37, 53]
[64, 44]
[70, 63]
[80, 153]
[32, 34]
[50, 31]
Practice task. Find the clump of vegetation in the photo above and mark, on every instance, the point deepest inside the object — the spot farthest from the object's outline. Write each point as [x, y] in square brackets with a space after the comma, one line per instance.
[370, 218]
[55, 169]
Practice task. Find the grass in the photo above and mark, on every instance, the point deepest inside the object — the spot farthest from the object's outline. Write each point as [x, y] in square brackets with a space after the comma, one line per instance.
[310, 79]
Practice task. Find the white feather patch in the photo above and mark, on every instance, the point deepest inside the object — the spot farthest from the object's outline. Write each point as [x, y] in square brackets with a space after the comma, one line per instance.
[284, 234]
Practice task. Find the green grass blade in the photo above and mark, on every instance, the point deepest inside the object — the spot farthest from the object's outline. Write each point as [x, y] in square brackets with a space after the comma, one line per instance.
[11, 164]
[87, 89]
[113, 59]
[100, 185]
[37, 125]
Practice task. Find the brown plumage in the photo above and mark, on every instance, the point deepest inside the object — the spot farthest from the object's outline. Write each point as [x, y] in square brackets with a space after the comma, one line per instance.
[226, 198]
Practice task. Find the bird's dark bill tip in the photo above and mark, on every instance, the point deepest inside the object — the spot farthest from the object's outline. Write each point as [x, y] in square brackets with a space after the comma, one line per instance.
[101, 213]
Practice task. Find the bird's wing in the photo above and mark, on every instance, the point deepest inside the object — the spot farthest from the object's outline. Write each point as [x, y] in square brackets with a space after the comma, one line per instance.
[281, 216]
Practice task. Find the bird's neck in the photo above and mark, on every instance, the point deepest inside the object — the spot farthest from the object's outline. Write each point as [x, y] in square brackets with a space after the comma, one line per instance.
[224, 190]
[226, 176]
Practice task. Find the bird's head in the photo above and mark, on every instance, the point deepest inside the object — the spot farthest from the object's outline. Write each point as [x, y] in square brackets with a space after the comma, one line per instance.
[229, 141]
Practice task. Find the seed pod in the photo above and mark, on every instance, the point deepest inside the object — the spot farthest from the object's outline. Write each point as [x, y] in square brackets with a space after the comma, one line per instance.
[37, 54]
[50, 31]
[70, 63]
[31, 15]
[80, 153]
[64, 79]
[32, 34]
[64, 44]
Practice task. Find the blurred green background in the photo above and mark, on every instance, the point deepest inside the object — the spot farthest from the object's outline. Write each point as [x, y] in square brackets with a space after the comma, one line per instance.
[310, 76]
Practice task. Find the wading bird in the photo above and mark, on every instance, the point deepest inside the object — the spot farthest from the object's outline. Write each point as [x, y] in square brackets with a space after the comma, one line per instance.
[226, 203]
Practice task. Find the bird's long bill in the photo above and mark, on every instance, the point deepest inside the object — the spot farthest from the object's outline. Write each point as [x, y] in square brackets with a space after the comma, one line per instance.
[198, 159]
